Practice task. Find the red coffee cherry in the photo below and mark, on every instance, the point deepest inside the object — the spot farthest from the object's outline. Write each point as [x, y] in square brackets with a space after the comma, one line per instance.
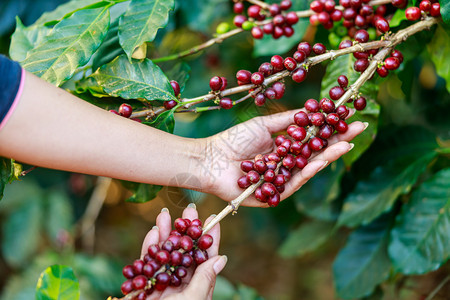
[412, 13]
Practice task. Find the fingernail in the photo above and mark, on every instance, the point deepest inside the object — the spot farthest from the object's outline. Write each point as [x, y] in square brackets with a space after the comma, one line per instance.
[165, 209]
[220, 264]
[192, 205]
[213, 215]
[366, 124]
[324, 165]
[351, 146]
[155, 227]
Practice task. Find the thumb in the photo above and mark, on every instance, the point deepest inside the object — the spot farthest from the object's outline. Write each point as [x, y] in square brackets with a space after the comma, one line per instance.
[204, 277]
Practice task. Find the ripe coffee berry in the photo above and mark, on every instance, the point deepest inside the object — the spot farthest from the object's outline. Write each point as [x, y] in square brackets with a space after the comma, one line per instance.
[345, 44]
[257, 32]
[341, 126]
[253, 11]
[291, 18]
[382, 25]
[246, 166]
[391, 63]
[270, 93]
[312, 105]
[360, 103]
[327, 105]
[435, 10]
[125, 110]
[266, 69]
[319, 48]
[425, 5]
[215, 83]
[325, 131]
[279, 88]
[175, 87]
[289, 63]
[243, 183]
[397, 54]
[260, 99]
[260, 166]
[170, 104]
[382, 71]
[243, 76]
[238, 7]
[285, 4]
[224, 83]
[299, 75]
[332, 118]
[342, 81]
[277, 62]
[268, 189]
[342, 112]
[316, 144]
[336, 92]
[316, 6]
[257, 78]
[305, 47]
[412, 13]
[361, 65]
[361, 36]
[299, 56]
[226, 103]
[301, 119]
[239, 20]
[205, 242]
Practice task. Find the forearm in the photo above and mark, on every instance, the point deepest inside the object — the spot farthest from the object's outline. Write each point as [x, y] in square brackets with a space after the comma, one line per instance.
[52, 128]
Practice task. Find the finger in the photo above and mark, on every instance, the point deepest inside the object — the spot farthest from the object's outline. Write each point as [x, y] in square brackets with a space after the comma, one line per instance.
[277, 122]
[215, 233]
[190, 212]
[164, 222]
[205, 277]
[333, 152]
[354, 129]
[151, 238]
[303, 176]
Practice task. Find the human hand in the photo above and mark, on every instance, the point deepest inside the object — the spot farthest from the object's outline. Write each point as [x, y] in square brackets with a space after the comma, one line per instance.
[226, 150]
[196, 285]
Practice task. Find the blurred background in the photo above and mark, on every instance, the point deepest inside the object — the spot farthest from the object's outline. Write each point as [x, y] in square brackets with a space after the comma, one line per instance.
[83, 221]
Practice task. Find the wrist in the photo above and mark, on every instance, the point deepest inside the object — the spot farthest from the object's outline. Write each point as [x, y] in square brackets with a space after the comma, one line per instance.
[198, 176]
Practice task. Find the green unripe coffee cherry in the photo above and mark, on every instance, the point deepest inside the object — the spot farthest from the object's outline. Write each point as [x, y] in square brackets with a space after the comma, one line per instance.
[247, 25]
[334, 40]
[222, 28]
[372, 33]
[341, 31]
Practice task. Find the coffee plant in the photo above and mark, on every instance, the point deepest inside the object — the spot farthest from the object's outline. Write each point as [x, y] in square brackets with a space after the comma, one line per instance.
[392, 191]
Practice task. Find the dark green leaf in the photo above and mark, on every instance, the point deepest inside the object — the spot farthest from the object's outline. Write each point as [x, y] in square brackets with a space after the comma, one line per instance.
[439, 48]
[180, 73]
[110, 48]
[138, 79]
[57, 282]
[165, 121]
[62, 10]
[343, 65]
[306, 238]
[144, 192]
[141, 22]
[377, 194]
[199, 15]
[445, 10]
[21, 231]
[317, 197]
[364, 262]
[420, 240]
[398, 17]
[90, 85]
[9, 171]
[102, 273]
[25, 39]
[68, 46]
[269, 46]
[59, 215]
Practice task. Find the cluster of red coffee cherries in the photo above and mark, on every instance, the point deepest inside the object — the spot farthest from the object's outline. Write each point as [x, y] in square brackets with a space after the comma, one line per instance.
[280, 24]
[167, 263]
[433, 8]
[309, 133]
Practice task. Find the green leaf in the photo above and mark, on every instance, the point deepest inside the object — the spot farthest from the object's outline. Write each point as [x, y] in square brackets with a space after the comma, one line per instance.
[180, 73]
[109, 49]
[68, 46]
[59, 215]
[9, 171]
[398, 17]
[439, 48]
[21, 231]
[25, 39]
[343, 65]
[144, 193]
[445, 10]
[138, 79]
[364, 262]
[306, 238]
[200, 15]
[58, 282]
[317, 197]
[141, 22]
[420, 240]
[377, 194]
[62, 10]
[165, 121]
[269, 46]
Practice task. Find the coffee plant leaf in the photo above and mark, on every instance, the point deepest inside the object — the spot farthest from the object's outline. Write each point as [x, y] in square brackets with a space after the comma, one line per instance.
[306, 238]
[364, 262]
[141, 22]
[165, 121]
[21, 231]
[375, 195]
[180, 72]
[24, 39]
[141, 192]
[200, 15]
[9, 172]
[64, 10]
[57, 282]
[317, 197]
[110, 48]
[445, 10]
[134, 80]
[69, 45]
[58, 215]
[420, 240]
[439, 49]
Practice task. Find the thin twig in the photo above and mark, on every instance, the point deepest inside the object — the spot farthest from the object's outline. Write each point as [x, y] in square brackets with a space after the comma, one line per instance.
[438, 288]
[23, 173]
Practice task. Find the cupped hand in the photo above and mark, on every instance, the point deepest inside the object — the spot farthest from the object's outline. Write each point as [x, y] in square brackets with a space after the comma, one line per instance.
[226, 150]
[198, 284]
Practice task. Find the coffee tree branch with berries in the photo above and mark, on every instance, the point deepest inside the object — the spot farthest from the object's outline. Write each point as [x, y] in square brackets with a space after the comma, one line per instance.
[392, 189]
